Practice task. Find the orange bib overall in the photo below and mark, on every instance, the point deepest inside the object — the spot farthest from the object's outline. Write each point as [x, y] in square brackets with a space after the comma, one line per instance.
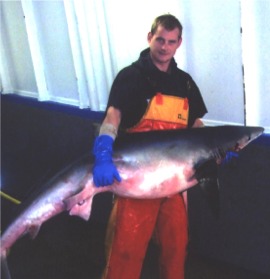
[164, 113]
[134, 222]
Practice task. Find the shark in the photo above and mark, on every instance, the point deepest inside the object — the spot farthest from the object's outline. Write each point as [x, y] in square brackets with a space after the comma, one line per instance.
[151, 164]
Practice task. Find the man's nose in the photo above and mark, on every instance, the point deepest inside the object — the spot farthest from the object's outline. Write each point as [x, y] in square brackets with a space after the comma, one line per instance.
[164, 45]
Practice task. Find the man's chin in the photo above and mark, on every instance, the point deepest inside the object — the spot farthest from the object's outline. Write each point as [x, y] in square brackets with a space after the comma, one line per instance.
[164, 58]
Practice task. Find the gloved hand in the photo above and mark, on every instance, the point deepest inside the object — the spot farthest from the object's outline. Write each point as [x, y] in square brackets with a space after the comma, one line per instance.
[104, 170]
[230, 155]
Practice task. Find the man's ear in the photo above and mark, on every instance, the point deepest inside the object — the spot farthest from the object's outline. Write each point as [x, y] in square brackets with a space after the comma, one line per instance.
[149, 37]
[179, 42]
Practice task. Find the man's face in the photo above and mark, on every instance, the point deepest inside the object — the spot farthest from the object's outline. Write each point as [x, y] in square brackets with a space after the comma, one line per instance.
[163, 45]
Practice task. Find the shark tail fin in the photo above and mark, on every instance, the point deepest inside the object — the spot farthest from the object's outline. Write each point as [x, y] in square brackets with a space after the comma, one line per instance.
[5, 273]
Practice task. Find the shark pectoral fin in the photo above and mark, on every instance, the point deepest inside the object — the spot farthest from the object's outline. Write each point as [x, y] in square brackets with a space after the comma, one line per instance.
[82, 209]
[73, 200]
[87, 192]
[79, 205]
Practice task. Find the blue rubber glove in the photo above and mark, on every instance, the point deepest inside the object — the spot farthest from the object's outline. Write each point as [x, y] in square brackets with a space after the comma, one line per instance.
[104, 170]
[230, 155]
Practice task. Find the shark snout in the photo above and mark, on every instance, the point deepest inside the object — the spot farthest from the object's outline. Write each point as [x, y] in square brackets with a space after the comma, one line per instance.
[253, 133]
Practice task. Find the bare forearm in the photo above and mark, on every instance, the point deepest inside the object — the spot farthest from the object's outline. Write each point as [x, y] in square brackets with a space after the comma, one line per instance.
[111, 122]
[198, 123]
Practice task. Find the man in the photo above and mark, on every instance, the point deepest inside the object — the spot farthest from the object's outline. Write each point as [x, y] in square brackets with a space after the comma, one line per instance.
[150, 94]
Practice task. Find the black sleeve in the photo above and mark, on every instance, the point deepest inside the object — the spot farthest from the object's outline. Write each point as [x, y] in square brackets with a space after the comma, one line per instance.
[127, 95]
[119, 87]
[197, 108]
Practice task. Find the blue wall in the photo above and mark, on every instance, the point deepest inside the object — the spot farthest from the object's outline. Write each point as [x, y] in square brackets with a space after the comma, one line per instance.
[241, 234]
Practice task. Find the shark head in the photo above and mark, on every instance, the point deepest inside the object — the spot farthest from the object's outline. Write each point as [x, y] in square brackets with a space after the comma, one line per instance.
[242, 136]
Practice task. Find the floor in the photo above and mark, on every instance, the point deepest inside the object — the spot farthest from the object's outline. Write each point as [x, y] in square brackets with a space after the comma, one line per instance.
[68, 248]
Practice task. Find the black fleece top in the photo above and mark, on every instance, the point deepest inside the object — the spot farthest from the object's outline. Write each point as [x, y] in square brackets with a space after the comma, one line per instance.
[136, 84]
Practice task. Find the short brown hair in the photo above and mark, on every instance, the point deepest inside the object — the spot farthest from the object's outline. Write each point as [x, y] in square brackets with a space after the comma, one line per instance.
[169, 22]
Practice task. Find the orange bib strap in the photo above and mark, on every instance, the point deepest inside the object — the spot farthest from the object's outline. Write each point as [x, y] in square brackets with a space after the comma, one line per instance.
[164, 112]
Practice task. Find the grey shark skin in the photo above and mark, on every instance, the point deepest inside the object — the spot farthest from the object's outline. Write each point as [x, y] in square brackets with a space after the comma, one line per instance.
[152, 165]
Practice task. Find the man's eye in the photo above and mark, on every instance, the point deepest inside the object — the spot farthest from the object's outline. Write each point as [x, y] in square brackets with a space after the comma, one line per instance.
[172, 42]
[160, 40]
